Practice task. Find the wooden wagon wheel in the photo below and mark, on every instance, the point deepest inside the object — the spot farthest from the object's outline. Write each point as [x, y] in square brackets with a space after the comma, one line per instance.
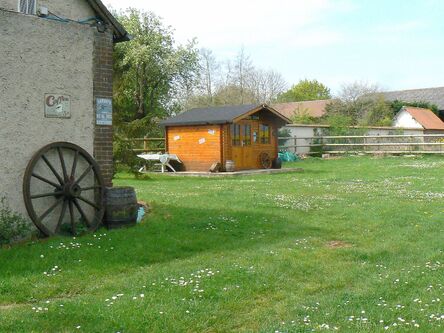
[265, 160]
[63, 179]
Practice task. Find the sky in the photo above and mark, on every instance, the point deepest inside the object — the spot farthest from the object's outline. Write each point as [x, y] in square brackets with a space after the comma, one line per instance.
[397, 44]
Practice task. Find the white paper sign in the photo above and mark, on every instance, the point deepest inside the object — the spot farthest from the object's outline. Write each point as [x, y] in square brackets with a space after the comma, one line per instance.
[177, 137]
[202, 141]
[211, 132]
[104, 111]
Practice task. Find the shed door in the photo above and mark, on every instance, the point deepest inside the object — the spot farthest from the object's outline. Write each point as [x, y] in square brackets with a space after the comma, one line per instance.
[241, 141]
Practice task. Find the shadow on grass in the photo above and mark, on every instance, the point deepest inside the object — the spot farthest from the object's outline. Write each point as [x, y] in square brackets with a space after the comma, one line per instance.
[170, 233]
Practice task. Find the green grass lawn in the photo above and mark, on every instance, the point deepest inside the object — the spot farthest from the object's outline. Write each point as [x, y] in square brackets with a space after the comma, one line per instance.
[348, 245]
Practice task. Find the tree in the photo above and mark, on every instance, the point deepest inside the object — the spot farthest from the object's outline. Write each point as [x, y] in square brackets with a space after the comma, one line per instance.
[305, 90]
[151, 72]
[359, 103]
[152, 78]
[265, 85]
[209, 72]
[237, 82]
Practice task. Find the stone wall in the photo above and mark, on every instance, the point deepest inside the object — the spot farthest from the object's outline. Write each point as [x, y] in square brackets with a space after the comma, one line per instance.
[72, 9]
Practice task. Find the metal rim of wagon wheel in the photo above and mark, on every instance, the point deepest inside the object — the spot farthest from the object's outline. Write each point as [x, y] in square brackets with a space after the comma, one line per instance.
[265, 160]
[67, 191]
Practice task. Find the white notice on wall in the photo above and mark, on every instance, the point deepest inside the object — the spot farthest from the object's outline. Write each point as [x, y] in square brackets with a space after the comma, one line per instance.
[211, 132]
[177, 137]
[104, 111]
[202, 141]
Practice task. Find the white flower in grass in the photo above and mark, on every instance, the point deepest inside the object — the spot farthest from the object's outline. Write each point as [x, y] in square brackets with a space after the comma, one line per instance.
[142, 295]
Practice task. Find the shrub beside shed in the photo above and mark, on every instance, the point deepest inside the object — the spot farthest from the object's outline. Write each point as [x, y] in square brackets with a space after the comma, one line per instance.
[244, 134]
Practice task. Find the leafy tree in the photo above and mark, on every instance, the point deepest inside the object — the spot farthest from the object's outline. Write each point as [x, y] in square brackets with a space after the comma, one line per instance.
[151, 73]
[306, 90]
[152, 77]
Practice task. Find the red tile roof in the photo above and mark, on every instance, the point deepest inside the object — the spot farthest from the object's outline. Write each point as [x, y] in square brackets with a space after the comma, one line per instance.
[426, 118]
[315, 109]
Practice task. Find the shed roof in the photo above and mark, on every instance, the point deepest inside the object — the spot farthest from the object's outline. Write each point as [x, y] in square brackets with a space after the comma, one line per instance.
[218, 115]
[426, 118]
[120, 34]
[315, 109]
[430, 95]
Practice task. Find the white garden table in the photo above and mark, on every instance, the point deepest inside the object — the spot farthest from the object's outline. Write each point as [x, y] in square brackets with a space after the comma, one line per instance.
[164, 160]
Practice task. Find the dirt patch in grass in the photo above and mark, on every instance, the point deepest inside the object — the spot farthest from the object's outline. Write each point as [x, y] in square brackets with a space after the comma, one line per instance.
[337, 244]
[5, 307]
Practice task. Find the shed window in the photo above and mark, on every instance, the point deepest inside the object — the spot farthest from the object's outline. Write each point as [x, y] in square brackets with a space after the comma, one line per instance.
[235, 134]
[247, 135]
[27, 6]
[264, 133]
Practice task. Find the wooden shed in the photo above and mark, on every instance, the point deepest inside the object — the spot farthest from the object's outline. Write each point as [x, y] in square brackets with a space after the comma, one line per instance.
[245, 134]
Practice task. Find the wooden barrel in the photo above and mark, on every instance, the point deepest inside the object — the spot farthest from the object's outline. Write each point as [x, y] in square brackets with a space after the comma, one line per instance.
[229, 166]
[277, 163]
[120, 207]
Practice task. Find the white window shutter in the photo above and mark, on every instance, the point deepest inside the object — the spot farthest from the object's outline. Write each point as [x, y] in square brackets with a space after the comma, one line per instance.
[27, 6]
[23, 6]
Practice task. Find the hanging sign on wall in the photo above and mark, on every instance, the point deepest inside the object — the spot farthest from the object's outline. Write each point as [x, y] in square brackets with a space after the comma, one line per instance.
[104, 111]
[57, 106]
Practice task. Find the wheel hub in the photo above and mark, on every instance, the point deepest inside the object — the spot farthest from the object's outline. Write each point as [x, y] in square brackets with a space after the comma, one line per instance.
[71, 190]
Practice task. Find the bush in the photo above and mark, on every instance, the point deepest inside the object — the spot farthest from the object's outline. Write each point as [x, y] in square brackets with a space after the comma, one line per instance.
[397, 105]
[283, 133]
[13, 226]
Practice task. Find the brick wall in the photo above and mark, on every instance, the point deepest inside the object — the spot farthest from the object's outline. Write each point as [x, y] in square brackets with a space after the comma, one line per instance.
[103, 88]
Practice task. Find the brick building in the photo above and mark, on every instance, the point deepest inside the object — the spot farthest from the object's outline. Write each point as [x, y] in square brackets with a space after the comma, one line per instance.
[52, 51]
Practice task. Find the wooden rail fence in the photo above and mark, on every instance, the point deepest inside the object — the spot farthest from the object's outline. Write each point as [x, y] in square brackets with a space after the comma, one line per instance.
[370, 144]
[145, 144]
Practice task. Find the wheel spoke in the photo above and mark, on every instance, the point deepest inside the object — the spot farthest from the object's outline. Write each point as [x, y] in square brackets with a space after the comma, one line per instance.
[62, 215]
[84, 174]
[45, 195]
[71, 213]
[49, 210]
[74, 164]
[89, 203]
[79, 208]
[53, 169]
[62, 162]
[45, 180]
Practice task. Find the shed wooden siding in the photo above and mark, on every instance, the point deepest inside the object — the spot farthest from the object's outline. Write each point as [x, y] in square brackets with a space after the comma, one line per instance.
[184, 141]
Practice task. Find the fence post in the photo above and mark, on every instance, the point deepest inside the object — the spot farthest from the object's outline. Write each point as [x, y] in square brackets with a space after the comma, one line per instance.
[295, 144]
[145, 144]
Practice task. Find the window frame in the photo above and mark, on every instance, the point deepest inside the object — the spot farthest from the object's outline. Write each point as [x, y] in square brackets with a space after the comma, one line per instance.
[246, 139]
[264, 135]
[236, 138]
